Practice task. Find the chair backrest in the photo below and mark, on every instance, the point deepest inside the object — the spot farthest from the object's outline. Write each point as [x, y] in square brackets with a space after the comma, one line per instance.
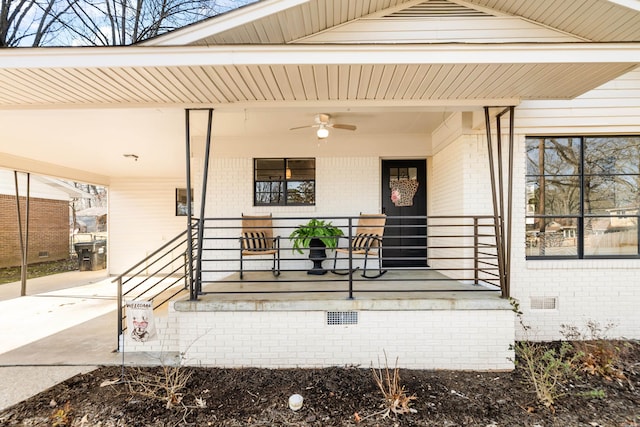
[253, 225]
[371, 224]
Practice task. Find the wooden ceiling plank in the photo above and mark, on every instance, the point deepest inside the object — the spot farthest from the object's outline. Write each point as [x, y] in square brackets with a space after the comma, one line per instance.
[218, 84]
[182, 93]
[204, 76]
[15, 90]
[307, 78]
[429, 83]
[365, 81]
[295, 81]
[254, 80]
[243, 88]
[322, 82]
[282, 80]
[266, 72]
[454, 87]
[406, 78]
[374, 83]
[333, 74]
[387, 75]
[201, 84]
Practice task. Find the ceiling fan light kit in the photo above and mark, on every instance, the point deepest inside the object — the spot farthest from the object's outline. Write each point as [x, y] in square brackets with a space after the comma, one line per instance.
[323, 125]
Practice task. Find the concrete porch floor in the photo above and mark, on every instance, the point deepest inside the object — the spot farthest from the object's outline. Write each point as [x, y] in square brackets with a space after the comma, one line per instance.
[296, 290]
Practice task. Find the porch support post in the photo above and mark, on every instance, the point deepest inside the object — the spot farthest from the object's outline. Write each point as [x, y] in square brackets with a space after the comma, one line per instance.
[501, 221]
[203, 202]
[24, 239]
[192, 291]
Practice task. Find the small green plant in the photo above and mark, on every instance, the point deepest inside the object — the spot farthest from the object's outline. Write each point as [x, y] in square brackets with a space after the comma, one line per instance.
[593, 394]
[62, 417]
[315, 228]
[544, 367]
[599, 355]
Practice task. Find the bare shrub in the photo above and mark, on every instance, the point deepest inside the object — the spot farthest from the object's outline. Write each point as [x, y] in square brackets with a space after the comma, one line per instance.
[598, 354]
[166, 385]
[394, 394]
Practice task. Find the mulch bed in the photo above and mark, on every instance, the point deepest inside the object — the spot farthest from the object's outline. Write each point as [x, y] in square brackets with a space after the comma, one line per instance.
[339, 396]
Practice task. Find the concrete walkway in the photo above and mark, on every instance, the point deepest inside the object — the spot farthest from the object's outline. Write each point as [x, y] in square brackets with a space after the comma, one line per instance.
[66, 325]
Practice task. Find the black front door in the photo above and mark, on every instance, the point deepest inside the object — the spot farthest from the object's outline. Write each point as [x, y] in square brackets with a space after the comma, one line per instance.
[404, 197]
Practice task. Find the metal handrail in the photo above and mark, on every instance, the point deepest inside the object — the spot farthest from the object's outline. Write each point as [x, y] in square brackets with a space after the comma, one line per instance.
[159, 275]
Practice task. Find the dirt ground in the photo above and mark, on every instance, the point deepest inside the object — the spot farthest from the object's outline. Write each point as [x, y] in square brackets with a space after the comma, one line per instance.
[339, 396]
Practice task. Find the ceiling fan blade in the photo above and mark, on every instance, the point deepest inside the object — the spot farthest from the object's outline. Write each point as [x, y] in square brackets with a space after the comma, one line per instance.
[342, 126]
[304, 127]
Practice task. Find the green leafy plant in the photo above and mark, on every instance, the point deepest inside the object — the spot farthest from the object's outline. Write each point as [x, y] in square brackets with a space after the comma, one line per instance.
[545, 368]
[593, 394]
[315, 228]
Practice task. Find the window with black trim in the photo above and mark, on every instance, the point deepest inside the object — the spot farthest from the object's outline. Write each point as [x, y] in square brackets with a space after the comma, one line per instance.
[582, 197]
[284, 182]
[181, 201]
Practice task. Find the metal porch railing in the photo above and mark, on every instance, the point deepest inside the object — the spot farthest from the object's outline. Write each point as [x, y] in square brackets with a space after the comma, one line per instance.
[462, 249]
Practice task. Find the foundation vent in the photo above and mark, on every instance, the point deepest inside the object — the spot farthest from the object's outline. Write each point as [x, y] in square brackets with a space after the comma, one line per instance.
[544, 303]
[342, 317]
[43, 254]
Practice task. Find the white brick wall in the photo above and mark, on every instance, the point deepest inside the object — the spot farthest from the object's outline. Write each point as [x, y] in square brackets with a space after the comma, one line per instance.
[345, 186]
[460, 339]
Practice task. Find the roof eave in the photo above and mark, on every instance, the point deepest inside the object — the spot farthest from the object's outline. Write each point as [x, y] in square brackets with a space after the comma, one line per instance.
[139, 56]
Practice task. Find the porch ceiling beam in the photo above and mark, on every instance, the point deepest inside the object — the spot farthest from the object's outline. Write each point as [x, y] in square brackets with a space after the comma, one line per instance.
[22, 164]
[138, 56]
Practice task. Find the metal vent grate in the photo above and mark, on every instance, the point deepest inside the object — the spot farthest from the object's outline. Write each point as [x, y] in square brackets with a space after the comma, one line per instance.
[544, 303]
[43, 254]
[342, 317]
[437, 9]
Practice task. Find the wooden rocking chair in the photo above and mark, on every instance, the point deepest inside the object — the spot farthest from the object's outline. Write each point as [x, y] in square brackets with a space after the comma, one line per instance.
[366, 241]
[257, 239]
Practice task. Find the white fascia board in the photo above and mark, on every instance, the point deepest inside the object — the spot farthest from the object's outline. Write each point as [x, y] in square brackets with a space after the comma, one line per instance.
[132, 56]
[629, 4]
[226, 21]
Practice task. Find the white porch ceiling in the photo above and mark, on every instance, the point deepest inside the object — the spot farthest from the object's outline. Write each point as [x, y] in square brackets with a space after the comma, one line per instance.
[246, 76]
[81, 109]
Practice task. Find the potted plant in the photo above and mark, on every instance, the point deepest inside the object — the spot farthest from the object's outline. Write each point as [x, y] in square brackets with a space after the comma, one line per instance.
[317, 235]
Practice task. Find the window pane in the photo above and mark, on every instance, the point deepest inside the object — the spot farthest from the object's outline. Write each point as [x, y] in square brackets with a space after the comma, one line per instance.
[301, 169]
[611, 236]
[561, 195]
[612, 155]
[533, 196]
[605, 193]
[301, 192]
[562, 156]
[269, 193]
[552, 237]
[533, 147]
[269, 169]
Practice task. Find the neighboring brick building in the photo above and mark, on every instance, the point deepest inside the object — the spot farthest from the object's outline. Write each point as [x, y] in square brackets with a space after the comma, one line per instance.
[48, 220]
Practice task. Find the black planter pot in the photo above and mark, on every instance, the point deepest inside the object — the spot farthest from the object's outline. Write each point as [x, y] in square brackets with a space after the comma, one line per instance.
[317, 254]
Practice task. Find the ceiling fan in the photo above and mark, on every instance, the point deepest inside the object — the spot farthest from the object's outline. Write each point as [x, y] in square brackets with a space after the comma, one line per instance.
[322, 123]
